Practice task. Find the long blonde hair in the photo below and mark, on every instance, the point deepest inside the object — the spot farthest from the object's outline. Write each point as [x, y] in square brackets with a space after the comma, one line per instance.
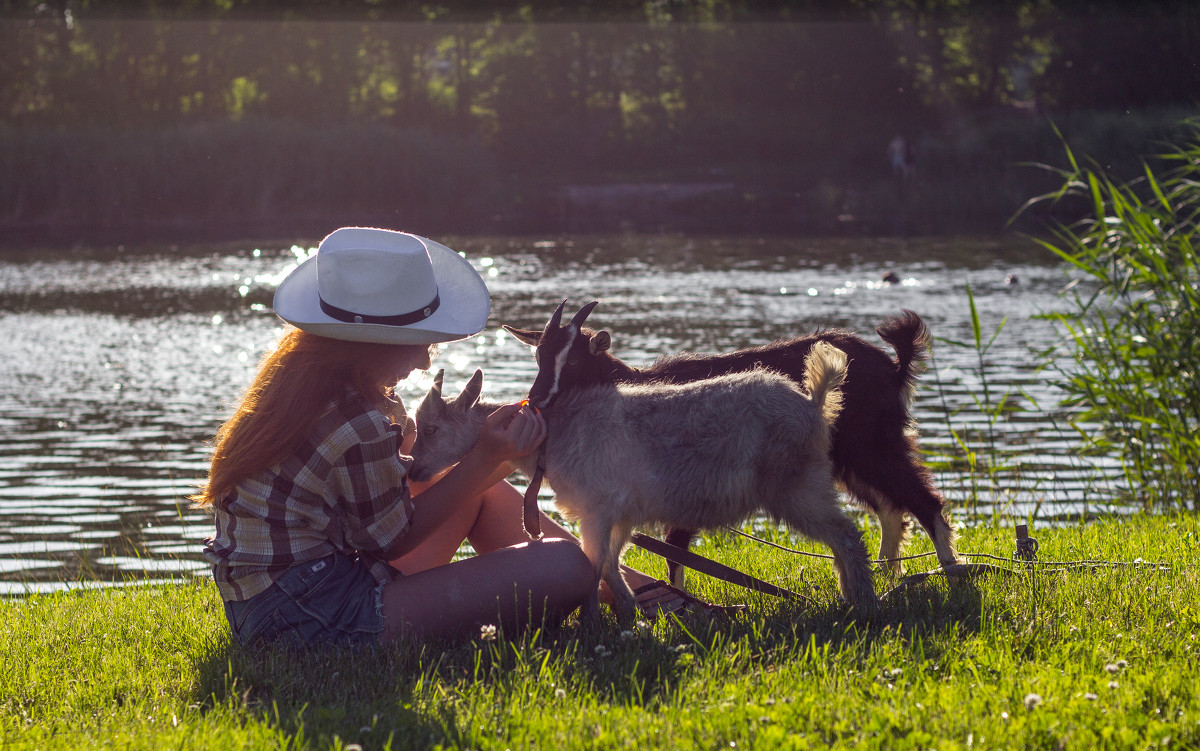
[293, 385]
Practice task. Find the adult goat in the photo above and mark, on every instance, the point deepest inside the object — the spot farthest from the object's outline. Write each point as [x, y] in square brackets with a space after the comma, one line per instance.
[874, 450]
[700, 455]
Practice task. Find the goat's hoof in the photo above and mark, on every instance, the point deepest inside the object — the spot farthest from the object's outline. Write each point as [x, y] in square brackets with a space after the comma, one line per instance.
[589, 612]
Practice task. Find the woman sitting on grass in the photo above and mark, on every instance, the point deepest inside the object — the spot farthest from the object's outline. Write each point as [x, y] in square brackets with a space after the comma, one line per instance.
[320, 536]
[315, 518]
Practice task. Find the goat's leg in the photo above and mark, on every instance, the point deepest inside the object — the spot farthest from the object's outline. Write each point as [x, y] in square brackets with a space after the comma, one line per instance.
[893, 527]
[594, 535]
[893, 523]
[680, 538]
[816, 514]
[624, 601]
[903, 483]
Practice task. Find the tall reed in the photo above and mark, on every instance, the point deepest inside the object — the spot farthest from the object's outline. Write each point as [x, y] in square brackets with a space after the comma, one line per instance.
[977, 452]
[1131, 360]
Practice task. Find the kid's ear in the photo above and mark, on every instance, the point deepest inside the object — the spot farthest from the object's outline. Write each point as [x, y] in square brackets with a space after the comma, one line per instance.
[600, 342]
[527, 336]
[470, 393]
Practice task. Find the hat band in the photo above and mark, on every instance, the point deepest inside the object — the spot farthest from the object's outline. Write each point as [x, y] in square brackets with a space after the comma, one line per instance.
[403, 319]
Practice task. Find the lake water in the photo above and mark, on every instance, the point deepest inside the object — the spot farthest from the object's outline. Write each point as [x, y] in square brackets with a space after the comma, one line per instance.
[117, 366]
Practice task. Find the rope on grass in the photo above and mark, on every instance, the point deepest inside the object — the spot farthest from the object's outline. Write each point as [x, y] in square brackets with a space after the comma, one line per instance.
[1026, 555]
[1024, 560]
[820, 555]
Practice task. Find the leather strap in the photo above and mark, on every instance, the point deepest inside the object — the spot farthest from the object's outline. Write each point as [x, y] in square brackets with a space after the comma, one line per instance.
[531, 515]
[710, 567]
[404, 319]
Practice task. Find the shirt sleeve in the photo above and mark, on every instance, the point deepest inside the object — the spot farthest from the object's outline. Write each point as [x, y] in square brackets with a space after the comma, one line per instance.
[374, 503]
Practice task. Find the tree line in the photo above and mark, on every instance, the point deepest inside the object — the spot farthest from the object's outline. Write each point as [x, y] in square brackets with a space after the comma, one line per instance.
[629, 90]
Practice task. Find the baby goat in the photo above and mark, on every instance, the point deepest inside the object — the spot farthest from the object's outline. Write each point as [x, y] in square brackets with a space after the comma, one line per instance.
[874, 450]
[701, 455]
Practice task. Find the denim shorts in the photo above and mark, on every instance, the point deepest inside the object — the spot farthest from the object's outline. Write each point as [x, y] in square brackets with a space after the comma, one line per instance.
[331, 601]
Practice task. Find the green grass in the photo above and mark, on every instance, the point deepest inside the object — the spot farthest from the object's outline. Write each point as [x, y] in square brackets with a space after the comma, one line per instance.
[1106, 658]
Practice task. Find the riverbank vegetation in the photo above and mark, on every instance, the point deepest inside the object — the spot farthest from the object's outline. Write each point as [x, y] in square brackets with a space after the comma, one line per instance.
[221, 120]
[1104, 656]
[1132, 355]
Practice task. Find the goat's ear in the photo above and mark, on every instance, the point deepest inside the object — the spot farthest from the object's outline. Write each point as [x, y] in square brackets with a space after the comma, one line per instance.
[600, 342]
[436, 389]
[525, 336]
[470, 393]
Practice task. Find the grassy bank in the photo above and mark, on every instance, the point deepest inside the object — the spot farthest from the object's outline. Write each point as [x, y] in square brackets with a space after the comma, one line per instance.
[1106, 658]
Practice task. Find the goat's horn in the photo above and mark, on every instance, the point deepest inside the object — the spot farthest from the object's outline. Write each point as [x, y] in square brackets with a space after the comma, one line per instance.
[556, 319]
[583, 313]
[437, 382]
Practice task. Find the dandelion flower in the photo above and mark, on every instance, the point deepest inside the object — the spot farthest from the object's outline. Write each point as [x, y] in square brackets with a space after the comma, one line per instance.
[560, 693]
[1032, 700]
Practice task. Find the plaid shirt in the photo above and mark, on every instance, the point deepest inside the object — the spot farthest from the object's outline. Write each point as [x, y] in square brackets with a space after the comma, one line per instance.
[345, 489]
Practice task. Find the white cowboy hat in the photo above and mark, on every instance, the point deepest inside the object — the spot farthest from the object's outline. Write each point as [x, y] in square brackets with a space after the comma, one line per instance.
[376, 285]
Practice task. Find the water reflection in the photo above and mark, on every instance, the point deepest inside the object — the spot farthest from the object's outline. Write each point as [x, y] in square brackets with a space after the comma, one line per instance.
[117, 366]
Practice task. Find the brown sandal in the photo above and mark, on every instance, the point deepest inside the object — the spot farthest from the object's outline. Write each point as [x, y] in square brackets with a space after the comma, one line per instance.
[660, 597]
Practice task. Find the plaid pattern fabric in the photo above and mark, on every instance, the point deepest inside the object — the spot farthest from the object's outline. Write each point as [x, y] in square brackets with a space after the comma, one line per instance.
[344, 490]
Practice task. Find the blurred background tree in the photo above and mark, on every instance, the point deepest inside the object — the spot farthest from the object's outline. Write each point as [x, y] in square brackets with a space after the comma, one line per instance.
[784, 109]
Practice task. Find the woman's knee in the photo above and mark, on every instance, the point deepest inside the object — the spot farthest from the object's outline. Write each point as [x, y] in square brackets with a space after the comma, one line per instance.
[565, 560]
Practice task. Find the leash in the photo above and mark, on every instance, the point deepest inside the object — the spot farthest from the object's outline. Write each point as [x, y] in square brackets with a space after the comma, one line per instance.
[531, 516]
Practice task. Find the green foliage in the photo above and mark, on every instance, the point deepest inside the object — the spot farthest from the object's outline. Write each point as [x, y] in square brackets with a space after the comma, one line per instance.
[1044, 659]
[978, 457]
[1132, 368]
[282, 173]
[785, 112]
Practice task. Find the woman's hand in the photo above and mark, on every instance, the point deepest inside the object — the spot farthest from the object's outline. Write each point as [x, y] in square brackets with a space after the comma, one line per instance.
[511, 432]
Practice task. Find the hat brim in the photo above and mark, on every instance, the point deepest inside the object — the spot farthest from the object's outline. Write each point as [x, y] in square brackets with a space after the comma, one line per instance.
[464, 309]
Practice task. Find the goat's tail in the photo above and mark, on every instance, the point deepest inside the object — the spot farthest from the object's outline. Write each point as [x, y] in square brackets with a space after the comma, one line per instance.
[824, 373]
[909, 336]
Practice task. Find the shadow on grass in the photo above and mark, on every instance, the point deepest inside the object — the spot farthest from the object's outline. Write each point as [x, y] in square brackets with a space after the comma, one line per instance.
[450, 692]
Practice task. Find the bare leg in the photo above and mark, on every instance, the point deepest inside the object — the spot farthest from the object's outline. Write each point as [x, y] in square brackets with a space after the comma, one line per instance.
[495, 524]
[516, 587]
[491, 522]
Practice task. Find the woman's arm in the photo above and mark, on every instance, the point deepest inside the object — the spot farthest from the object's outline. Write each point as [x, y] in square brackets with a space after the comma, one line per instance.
[508, 433]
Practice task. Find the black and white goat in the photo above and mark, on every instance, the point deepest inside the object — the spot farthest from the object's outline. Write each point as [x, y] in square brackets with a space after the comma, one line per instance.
[874, 449]
[700, 455]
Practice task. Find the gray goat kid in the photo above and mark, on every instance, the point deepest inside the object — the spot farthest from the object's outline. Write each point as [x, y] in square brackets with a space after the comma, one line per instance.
[703, 455]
